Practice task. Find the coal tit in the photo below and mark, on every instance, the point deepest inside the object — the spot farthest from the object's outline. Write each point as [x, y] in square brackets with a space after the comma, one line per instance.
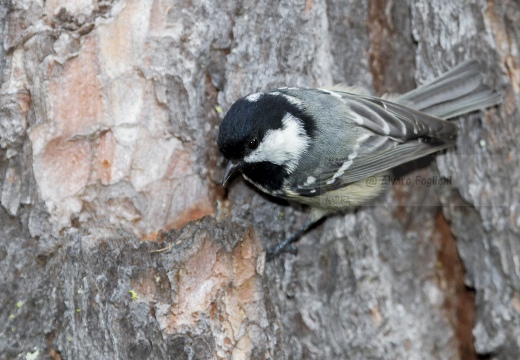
[330, 148]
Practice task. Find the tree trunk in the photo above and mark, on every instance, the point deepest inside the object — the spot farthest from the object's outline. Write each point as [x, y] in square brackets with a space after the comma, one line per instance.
[117, 241]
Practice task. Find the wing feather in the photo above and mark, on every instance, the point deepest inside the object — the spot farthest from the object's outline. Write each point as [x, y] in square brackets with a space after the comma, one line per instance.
[394, 135]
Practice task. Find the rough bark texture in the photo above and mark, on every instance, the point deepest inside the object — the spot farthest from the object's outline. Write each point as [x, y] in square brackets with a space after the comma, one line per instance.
[117, 242]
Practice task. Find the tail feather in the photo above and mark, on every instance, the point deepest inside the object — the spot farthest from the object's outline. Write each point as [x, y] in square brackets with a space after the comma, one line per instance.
[454, 93]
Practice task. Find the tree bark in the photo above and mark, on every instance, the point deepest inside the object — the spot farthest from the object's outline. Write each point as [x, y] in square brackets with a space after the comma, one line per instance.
[117, 241]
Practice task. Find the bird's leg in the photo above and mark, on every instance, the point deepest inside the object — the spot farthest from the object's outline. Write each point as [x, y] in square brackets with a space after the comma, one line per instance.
[286, 244]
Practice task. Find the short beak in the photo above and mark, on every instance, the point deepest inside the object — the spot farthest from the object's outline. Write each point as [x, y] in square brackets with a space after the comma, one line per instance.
[232, 167]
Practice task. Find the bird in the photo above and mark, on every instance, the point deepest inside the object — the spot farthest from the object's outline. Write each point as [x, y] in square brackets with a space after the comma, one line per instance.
[331, 148]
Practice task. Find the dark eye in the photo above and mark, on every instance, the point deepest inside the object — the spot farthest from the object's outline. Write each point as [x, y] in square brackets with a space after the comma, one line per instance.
[253, 144]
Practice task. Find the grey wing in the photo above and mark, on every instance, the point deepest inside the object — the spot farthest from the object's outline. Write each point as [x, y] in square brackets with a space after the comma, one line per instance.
[392, 134]
[399, 122]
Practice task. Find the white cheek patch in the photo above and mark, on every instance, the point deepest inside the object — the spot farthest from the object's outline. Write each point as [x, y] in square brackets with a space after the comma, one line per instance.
[282, 146]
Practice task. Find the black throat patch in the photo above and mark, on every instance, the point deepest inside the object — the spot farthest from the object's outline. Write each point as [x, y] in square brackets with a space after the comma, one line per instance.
[266, 175]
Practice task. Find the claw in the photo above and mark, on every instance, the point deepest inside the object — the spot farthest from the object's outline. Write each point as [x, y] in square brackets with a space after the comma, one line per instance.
[286, 245]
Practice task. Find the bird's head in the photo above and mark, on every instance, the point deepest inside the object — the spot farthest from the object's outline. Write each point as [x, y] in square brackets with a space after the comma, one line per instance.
[264, 135]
